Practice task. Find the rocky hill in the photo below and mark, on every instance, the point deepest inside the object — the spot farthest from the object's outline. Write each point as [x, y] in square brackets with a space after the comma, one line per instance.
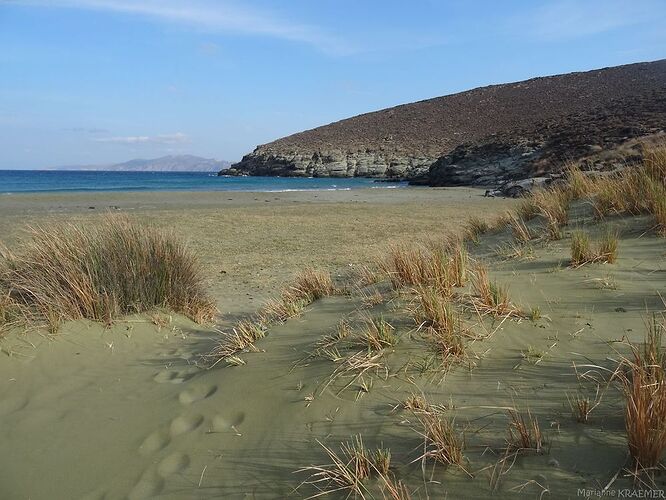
[482, 136]
[171, 163]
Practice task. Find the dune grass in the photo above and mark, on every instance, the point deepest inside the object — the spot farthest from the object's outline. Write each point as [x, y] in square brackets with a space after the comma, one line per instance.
[376, 333]
[524, 433]
[308, 286]
[349, 468]
[415, 265]
[442, 442]
[584, 252]
[520, 231]
[643, 381]
[436, 316]
[100, 272]
[11, 314]
[490, 297]
[634, 191]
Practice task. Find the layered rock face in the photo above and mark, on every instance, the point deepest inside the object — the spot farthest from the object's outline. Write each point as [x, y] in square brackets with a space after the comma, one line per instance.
[334, 163]
[483, 136]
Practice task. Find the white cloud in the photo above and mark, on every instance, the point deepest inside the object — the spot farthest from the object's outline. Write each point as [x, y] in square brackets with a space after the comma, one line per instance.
[219, 16]
[568, 19]
[177, 138]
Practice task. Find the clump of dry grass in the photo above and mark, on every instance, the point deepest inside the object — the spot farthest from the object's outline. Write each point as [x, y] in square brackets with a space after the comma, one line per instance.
[405, 265]
[581, 248]
[442, 443]
[11, 313]
[582, 251]
[370, 298]
[308, 286]
[553, 205]
[519, 229]
[396, 490]
[377, 333]
[579, 184]
[638, 190]
[313, 284]
[416, 403]
[491, 297]
[475, 227]
[100, 272]
[643, 380]
[289, 305]
[348, 469]
[458, 264]
[242, 337]
[443, 325]
[415, 265]
[582, 406]
[363, 276]
[524, 433]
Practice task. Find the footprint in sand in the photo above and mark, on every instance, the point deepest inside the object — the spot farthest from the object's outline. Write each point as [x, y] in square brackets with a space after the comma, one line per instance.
[154, 442]
[221, 423]
[174, 376]
[196, 393]
[183, 424]
[148, 486]
[175, 462]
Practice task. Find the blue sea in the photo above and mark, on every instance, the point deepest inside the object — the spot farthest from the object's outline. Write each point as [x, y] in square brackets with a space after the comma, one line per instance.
[43, 181]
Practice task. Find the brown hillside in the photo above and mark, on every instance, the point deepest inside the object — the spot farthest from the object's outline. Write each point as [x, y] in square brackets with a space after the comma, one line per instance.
[532, 109]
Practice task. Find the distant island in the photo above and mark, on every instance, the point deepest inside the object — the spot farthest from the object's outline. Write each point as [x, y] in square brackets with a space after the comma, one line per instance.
[171, 163]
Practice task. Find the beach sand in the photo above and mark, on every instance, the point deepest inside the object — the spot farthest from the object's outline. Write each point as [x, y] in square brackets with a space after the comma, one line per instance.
[127, 412]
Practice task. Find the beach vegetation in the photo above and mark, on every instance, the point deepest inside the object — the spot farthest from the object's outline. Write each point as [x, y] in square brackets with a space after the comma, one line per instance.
[102, 271]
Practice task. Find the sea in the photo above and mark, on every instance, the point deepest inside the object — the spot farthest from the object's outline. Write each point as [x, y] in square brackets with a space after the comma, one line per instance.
[58, 181]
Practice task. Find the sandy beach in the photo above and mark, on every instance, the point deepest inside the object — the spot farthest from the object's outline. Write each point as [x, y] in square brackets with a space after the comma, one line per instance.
[251, 243]
[131, 411]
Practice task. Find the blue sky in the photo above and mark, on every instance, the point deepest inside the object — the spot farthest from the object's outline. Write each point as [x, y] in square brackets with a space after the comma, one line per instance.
[96, 81]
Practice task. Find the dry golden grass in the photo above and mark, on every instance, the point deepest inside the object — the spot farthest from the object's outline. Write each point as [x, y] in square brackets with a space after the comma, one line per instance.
[416, 403]
[241, 338]
[442, 324]
[475, 227]
[581, 248]
[524, 433]
[579, 184]
[582, 406]
[100, 272]
[583, 252]
[349, 468]
[363, 276]
[643, 379]
[553, 205]
[519, 229]
[638, 190]
[415, 265]
[490, 297]
[11, 313]
[376, 333]
[307, 287]
[345, 472]
[405, 265]
[312, 284]
[442, 443]
[395, 490]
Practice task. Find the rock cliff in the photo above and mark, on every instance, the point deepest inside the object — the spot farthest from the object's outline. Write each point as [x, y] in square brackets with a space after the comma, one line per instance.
[479, 137]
